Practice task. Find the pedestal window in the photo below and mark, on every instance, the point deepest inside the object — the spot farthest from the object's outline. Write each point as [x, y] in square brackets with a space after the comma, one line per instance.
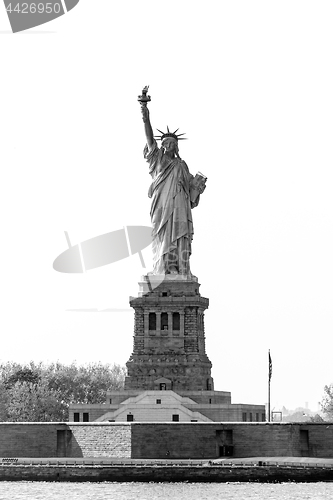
[152, 321]
[164, 321]
[176, 321]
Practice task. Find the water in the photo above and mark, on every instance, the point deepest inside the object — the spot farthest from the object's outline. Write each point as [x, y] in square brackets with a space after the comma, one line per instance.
[160, 491]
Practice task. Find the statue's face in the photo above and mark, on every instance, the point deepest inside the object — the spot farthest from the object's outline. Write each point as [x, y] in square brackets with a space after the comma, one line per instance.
[170, 145]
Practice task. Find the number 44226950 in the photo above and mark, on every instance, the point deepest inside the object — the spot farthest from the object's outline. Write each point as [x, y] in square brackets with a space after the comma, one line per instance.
[34, 8]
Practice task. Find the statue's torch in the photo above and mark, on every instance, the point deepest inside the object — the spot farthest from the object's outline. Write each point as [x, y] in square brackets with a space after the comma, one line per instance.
[144, 98]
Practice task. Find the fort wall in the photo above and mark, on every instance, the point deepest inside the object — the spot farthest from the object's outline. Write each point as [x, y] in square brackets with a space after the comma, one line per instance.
[195, 440]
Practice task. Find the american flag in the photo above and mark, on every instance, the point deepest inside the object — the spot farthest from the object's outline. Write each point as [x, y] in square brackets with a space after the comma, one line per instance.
[269, 366]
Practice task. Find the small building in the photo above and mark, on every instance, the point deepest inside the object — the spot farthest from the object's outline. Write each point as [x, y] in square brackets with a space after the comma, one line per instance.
[167, 406]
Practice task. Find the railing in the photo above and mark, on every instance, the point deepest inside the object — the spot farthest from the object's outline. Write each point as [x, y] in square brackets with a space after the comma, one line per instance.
[105, 462]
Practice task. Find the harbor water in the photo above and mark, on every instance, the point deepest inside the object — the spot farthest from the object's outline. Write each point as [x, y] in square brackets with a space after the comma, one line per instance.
[26, 490]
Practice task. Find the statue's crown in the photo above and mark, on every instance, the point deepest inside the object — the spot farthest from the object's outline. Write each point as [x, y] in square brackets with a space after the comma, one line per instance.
[175, 136]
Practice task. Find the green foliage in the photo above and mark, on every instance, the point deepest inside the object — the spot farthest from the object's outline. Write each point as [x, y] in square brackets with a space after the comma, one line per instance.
[23, 375]
[317, 419]
[327, 402]
[30, 402]
[3, 402]
[85, 384]
[43, 392]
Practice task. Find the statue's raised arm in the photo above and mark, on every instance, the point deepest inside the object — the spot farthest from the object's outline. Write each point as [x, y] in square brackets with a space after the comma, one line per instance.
[144, 99]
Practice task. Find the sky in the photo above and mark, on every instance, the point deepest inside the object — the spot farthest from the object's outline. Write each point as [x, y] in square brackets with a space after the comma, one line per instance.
[250, 83]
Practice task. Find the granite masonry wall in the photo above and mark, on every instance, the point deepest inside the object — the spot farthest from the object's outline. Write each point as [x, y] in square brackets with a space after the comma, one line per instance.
[100, 440]
[165, 440]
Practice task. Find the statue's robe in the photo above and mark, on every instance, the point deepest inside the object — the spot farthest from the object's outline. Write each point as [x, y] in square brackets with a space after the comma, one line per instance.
[170, 213]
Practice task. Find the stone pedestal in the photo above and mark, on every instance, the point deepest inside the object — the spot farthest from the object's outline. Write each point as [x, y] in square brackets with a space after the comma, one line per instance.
[169, 339]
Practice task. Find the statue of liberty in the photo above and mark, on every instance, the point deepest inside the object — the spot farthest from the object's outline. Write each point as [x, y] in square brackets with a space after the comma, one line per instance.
[174, 192]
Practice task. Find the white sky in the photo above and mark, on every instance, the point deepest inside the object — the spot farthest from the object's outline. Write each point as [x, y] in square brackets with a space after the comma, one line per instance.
[251, 85]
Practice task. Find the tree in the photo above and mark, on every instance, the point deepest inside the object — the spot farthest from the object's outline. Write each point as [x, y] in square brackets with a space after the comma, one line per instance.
[41, 392]
[317, 419]
[327, 402]
[30, 402]
[23, 375]
[10, 373]
[86, 383]
[3, 402]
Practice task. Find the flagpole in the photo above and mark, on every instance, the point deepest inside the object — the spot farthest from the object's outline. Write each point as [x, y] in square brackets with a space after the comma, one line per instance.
[269, 384]
[269, 400]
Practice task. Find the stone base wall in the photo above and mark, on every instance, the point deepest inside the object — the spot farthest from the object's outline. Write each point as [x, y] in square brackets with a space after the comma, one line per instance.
[165, 440]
